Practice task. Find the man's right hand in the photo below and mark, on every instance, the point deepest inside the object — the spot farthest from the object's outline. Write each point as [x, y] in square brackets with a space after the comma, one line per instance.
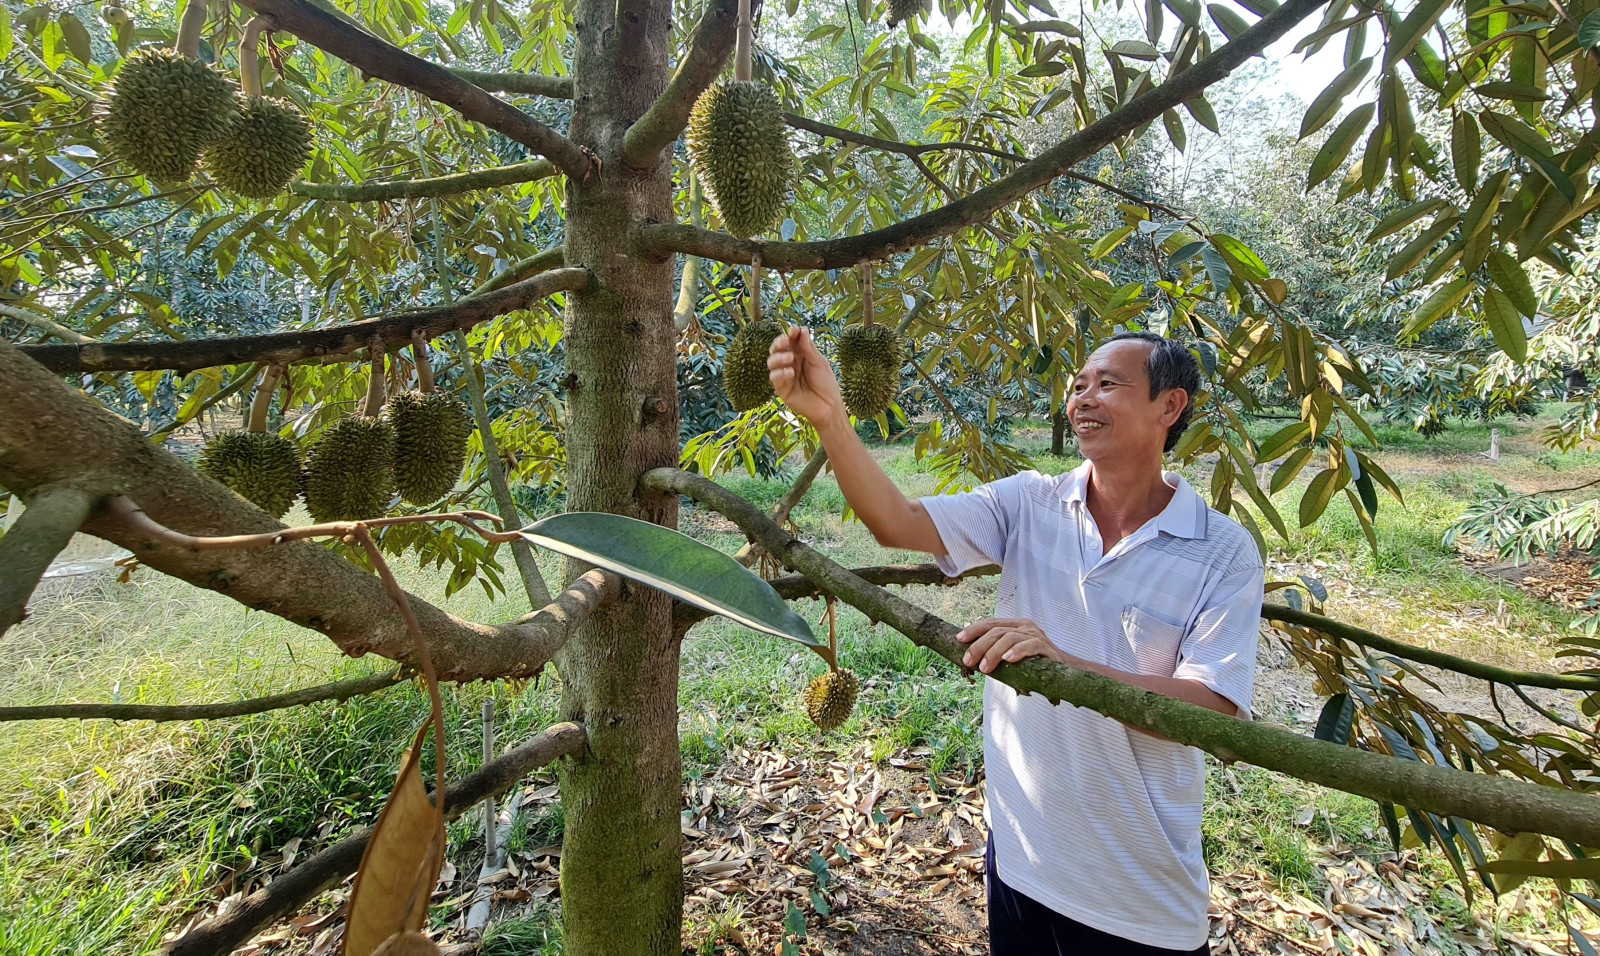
[804, 379]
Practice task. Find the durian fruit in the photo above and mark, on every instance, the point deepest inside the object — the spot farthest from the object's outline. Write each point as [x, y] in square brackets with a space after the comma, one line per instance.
[268, 143]
[831, 697]
[164, 109]
[870, 357]
[350, 470]
[739, 148]
[264, 468]
[430, 444]
[744, 368]
[903, 10]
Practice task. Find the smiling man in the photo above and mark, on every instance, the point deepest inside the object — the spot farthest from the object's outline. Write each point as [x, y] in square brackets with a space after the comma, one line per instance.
[1118, 568]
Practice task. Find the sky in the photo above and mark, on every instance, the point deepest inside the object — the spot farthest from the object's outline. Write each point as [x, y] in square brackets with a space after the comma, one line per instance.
[1305, 77]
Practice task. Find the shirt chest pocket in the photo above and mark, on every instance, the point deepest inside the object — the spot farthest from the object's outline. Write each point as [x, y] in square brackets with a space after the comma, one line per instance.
[1154, 642]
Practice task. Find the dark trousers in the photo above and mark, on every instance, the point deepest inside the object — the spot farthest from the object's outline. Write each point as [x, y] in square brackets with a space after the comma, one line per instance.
[1019, 926]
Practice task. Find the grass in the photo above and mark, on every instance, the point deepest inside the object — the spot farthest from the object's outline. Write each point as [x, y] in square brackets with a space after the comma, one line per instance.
[114, 834]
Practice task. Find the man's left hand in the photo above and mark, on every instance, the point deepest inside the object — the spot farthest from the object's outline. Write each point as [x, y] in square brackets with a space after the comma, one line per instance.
[998, 639]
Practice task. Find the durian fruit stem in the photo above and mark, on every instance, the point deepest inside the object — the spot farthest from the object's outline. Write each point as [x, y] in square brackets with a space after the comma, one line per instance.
[250, 55]
[689, 284]
[190, 28]
[755, 287]
[742, 44]
[262, 403]
[866, 295]
[375, 385]
[833, 634]
[419, 349]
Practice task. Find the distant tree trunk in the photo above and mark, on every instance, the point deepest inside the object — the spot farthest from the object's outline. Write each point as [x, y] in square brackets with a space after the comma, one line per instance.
[621, 866]
[1058, 432]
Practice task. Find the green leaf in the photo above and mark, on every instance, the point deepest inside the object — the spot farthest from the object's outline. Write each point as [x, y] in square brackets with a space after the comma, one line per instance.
[1337, 718]
[672, 562]
[1589, 31]
[1276, 290]
[1135, 49]
[1509, 276]
[1526, 142]
[1174, 124]
[1506, 90]
[1409, 32]
[1282, 440]
[1401, 218]
[1289, 470]
[1339, 143]
[1413, 252]
[5, 32]
[1243, 259]
[1043, 69]
[1505, 324]
[1481, 213]
[1318, 494]
[1326, 106]
[1466, 149]
[1109, 242]
[1230, 23]
[77, 39]
[1436, 306]
[1217, 270]
[1185, 254]
[1368, 493]
[794, 921]
[1202, 112]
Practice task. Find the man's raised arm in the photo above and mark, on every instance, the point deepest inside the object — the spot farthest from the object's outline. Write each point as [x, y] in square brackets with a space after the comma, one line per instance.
[805, 382]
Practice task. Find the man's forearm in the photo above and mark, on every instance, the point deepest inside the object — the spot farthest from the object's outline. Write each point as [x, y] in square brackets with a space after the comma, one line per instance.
[894, 520]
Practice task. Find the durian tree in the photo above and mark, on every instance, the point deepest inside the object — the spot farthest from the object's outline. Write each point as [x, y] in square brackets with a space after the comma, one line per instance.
[483, 177]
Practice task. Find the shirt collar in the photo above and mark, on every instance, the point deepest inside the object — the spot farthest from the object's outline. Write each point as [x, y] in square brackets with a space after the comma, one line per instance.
[1183, 517]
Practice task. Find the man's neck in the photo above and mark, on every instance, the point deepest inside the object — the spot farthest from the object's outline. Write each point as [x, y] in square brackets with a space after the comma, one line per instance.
[1123, 495]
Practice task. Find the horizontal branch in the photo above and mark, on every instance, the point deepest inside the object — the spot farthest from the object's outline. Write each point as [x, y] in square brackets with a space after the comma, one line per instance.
[780, 512]
[52, 517]
[496, 176]
[340, 691]
[43, 323]
[663, 239]
[379, 59]
[51, 434]
[281, 348]
[1509, 805]
[708, 50]
[542, 261]
[231, 928]
[528, 84]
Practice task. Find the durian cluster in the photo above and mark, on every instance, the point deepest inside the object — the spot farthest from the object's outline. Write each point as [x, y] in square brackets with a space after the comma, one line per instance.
[829, 699]
[870, 358]
[166, 111]
[739, 147]
[430, 444]
[901, 11]
[745, 377]
[350, 470]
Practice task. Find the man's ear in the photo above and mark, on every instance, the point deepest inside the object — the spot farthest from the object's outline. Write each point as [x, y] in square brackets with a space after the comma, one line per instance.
[1174, 401]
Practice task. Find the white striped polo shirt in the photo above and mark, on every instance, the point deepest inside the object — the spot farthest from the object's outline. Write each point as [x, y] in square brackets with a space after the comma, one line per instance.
[1092, 819]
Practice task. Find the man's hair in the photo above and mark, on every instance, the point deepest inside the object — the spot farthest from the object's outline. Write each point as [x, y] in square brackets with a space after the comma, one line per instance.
[1170, 365]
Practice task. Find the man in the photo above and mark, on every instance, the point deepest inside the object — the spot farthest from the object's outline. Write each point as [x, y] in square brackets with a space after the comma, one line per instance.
[1116, 568]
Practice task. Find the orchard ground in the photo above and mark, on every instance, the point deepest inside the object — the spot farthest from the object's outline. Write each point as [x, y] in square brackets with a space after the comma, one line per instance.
[864, 840]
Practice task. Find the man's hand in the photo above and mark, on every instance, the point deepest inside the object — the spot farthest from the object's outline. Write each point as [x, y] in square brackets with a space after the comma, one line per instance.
[998, 639]
[804, 379]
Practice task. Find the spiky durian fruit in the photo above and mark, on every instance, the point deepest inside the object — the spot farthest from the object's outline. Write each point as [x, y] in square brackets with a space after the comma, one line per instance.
[430, 444]
[350, 470]
[831, 697]
[164, 109]
[268, 143]
[744, 368]
[263, 469]
[870, 358]
[902, 10]
[739, 147]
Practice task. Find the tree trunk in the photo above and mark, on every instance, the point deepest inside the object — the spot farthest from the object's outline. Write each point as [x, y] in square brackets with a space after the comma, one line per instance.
[1058, 433]
[621, 868]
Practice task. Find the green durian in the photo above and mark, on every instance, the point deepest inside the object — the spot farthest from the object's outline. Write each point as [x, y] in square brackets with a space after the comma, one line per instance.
[830, 698]
[430, 444]
[744, 368]
[903, 10]
[739, 148]
[870, 358]
[268, 143]
[350, 470]
[164, 109]
[263, 469]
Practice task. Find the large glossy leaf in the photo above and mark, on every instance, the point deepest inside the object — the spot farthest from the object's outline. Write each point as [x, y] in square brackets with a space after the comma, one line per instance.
[1510, 278]
[1525, 141]
[1505, 324]
[1337, 717]
[1436, 306]
[1466, 149]
[1326, 106]
[1318, 494]
[675, 563]
[1402, 217]
[1339, 143]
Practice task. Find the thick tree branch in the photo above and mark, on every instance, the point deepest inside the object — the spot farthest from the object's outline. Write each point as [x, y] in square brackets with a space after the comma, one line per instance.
[384, 61]
[528, 84]
[52, 517]
[281, 348]
[342, 690]
[708, 50]
[289, 892]
[43, 323]
[1509, 805]
[50, 434]
[543, 261]
[664, 239]
[496, 176]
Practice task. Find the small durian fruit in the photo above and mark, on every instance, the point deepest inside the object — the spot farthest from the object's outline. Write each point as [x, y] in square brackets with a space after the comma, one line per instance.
[350, 470]
[268, 143]
[430, 444]
[903, 10]
[744, 368]
[164, 109]
[263, 469]
[739, 148]
[870, 357]
[831, 697]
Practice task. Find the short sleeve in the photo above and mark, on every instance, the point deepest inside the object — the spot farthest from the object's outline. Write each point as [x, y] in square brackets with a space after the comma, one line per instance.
[1220, 649]
[975, 525]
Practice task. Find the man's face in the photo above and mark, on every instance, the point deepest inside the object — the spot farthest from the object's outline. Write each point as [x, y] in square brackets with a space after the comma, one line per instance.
[1111, 410]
